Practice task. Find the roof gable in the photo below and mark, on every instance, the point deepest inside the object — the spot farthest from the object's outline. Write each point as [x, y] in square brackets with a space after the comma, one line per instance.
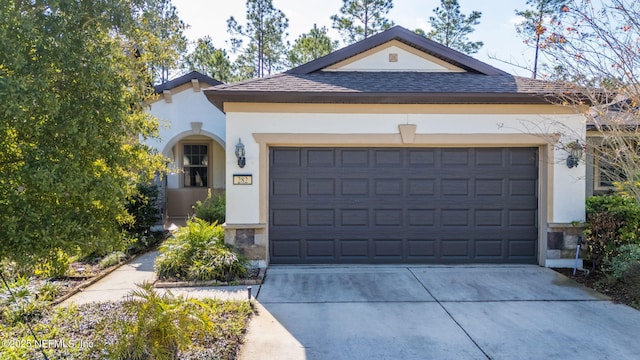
[430, 50]
[394, 56]
[362, 74]
[184, 79]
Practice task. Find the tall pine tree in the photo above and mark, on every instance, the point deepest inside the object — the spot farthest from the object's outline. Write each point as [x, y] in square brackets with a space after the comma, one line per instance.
[533, 28]
[359, 19]
[207, 59]
[163, 36]
[310, 46]
[450, 27]
[265, 31]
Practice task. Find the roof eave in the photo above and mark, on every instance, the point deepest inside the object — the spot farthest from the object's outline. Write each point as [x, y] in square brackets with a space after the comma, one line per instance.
[184, 79]
[218, 98]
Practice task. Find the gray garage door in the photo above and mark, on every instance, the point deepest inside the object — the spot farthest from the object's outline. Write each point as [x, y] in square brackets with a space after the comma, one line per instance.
[403, 205]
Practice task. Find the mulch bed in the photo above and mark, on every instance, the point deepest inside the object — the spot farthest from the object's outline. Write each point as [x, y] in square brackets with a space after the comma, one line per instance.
[618, 292]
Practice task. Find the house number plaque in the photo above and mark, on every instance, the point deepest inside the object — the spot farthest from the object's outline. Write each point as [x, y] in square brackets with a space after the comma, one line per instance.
[242, 179]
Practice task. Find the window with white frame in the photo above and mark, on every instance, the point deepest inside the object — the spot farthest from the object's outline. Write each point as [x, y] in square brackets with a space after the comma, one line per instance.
[195, 162]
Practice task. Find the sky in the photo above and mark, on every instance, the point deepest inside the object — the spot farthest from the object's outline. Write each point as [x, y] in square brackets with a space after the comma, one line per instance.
[496, 28]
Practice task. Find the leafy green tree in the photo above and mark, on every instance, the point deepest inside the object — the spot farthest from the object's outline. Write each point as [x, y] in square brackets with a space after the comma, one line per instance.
[360, 19]
[533, 29]
[162, 36]
[310, 46]
[73, 87]
[420, 32]
[207, 59]
[265, 31]
[450, 27]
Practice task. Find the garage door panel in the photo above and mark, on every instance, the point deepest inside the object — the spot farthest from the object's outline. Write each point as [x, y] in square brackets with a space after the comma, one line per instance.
[524, 187]
[354, 217]
[422, 157]
[354, 157]
[455, 187]
[320, 248]
[455, 217]
[421, 187]
[522, 157]
[286, 217]
[521, 248]
[420, 248]
[526, 218]
[389, 187]
[421, 217]
[286, 187]
[489, 248]
[321, 158]
[320, 187]
[286, 157]
[354, 248]
[321, 217]
[388, 217]
[354, 187]
[388, 158]
[456, 248]
[424, 205]
[455, 157]
[388, 248]
[489, 157]
[489, 217]
[489, 187]
[286, 249]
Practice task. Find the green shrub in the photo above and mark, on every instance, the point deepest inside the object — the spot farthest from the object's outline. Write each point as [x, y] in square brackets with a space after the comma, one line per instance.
[163, 326]
[48, 291]
[212, 209]
[620, 264]
[21, 304]
[55, 266]
[115, 257]
[197, 252]
[142, 242]
[613, 221]
[143, 209]
[219, 263]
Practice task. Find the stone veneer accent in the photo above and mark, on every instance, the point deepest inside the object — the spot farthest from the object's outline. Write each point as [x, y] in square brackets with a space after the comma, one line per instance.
[562, 240]
[249, 240]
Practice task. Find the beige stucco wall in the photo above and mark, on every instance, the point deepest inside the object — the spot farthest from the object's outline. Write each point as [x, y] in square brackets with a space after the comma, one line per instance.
[263, 125]
[186, 116]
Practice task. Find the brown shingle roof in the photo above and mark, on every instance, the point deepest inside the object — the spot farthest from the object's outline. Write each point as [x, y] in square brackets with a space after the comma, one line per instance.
[391, 82]
[387, 88]
[480, 84]
[186, 78]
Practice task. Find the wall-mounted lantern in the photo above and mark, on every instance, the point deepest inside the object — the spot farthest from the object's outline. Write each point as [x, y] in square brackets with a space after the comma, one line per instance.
[240, 153]
[575, 154]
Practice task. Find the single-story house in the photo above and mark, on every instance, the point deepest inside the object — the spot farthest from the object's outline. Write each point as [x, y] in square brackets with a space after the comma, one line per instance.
[397, 149]
[192, 136]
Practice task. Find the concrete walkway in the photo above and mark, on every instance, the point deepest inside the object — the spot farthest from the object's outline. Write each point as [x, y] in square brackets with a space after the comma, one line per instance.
[420, 312]
[117, 285]
[416, 312]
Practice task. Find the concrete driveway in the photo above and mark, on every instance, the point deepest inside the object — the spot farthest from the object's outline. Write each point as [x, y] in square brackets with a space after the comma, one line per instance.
[419, 312]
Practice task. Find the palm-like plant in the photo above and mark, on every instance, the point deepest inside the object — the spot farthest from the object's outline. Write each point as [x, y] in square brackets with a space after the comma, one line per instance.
[163, 325]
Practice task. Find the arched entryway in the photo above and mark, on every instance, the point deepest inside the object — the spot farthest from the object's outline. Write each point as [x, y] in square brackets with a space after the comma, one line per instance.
[197, 166]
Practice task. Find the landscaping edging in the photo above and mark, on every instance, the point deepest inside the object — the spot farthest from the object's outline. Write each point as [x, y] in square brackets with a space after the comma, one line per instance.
[176, 284]
[92, 281]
